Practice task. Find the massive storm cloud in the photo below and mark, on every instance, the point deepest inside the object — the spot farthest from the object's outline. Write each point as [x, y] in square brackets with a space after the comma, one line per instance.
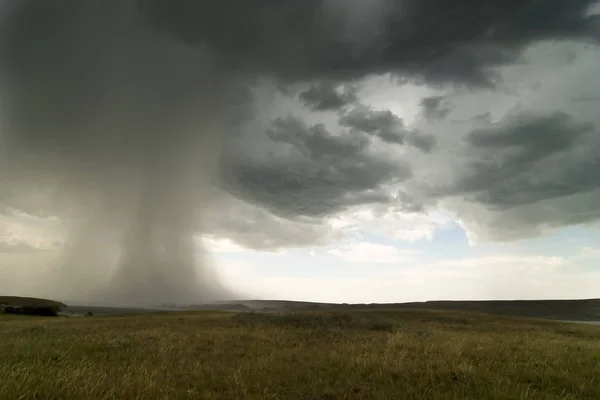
[141, 126]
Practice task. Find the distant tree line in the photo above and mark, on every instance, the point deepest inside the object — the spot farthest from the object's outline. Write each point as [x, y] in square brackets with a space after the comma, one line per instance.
[30, 306]
[43, 311]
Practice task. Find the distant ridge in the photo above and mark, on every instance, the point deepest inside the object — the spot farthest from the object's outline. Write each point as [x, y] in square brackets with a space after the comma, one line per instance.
[574, 310]
[565, 310]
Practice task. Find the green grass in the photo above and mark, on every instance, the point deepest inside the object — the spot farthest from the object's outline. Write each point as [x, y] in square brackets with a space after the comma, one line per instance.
[328, 355]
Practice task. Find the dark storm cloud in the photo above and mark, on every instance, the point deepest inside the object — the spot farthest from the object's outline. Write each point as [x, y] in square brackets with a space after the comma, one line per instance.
[325, 172]
[120, 107]
[438, 41]
[485, 118]
[383, 124]
[316, 141]
[531, 157]
[434, 107]
[328, 96]
[386, 126]
[534, 136]
[422, 141]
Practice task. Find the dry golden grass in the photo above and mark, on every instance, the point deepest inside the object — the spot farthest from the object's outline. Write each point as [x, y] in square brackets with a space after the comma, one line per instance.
[357, 355]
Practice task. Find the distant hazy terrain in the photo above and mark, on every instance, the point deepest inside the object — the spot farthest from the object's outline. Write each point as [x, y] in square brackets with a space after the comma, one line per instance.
[573, 310]
[112, 310]
[565, 310]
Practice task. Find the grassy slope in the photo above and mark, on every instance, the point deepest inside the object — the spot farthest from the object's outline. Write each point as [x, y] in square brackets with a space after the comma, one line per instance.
[352, 355]
[29, 301]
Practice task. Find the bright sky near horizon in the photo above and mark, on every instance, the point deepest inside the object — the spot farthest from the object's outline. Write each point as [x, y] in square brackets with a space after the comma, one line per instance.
[433, 261]
[379, 190]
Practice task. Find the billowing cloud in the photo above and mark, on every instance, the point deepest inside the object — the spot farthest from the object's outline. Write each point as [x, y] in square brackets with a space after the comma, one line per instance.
[434, 107]
[321, 172]
[516, 160]
[327, 96]
[527, 168]
[381, 124]
[386, 126]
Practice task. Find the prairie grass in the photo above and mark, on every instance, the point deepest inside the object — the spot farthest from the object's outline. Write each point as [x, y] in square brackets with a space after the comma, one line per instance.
[314, 356]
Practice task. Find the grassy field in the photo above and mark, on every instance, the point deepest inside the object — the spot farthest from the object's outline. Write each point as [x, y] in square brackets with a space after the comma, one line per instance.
[317, 356]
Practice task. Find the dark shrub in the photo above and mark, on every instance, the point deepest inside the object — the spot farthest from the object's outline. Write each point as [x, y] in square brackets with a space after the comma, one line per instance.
[30, 310]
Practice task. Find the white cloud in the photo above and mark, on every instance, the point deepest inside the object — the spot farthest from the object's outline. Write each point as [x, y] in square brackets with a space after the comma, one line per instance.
[391, 223]
[474, 278]
[222, 245]
[594, 9]
[373, 253]
[21, 230]
[589, 253]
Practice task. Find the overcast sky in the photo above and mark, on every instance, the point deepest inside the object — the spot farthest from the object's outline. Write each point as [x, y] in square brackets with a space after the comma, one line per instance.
[459, 159]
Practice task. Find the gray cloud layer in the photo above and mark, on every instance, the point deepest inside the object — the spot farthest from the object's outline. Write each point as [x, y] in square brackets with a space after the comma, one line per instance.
[514, 164]
[525, 175]
[386, 126]
[118, 111]
[326, 96]
[434, 107]
[322, 173]
[436, 40]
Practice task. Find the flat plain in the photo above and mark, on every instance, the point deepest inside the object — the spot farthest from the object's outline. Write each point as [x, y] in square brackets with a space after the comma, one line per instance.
[371, 354]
